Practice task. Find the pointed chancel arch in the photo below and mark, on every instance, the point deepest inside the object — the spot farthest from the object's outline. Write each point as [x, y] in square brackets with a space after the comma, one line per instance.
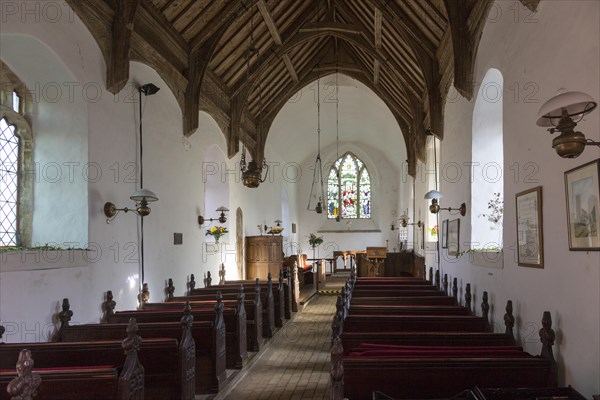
[349, 189]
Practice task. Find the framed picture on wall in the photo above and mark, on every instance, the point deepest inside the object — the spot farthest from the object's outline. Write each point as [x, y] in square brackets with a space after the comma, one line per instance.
[453, 241]
[530, 239]
[583, 206]
[445, 234]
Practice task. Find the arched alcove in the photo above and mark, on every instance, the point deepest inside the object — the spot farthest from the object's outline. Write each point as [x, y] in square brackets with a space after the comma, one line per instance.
[488, 158]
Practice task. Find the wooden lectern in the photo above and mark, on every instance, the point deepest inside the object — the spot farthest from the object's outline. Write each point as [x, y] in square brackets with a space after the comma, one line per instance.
[375, 257]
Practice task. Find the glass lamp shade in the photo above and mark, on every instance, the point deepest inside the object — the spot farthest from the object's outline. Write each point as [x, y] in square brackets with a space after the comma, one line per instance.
[222, 217]
[144, 195]
[433, 194]
[577, 104]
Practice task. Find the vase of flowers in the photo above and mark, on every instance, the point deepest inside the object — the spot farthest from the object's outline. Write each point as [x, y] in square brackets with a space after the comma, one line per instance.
[217, 232]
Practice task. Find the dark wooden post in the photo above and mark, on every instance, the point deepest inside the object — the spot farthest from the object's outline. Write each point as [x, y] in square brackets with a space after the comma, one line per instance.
[485, 310]
[170, 289]
[144, 296]
[108, 308]
[192, 283]
[468, 297]
[446, 284]
[64, 317]
[131, 380]
[437, 279]
[187, 352]
[509, 319]
[547, 337]
[431, 275]
[25, 385]
[337, 370]
[455, 288]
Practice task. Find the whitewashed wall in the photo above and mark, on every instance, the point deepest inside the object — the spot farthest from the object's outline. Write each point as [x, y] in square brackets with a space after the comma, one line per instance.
[537, 54]
[173, 170]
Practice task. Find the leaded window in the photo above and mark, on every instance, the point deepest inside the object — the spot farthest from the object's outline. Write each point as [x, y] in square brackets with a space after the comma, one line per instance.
[348, 189]
[9, 177]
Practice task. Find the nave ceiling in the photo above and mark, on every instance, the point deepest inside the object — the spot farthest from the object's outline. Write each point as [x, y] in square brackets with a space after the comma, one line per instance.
[408, 52]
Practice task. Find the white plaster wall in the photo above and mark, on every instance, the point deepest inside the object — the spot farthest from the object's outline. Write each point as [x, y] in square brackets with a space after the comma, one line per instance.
[366, 128]
[537, 54]
[60, 145]
[29, 299]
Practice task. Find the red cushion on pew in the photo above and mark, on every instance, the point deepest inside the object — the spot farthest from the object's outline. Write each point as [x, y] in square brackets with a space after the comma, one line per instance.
[64, 368]
[438, 354]
[377, 346]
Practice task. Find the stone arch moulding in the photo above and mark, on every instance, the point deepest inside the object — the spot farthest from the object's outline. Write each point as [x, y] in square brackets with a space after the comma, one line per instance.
[403, 121]
[25, 188]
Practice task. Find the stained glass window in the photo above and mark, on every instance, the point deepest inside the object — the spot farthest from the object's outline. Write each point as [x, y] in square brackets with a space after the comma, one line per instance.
[9, 177]
[348, 189]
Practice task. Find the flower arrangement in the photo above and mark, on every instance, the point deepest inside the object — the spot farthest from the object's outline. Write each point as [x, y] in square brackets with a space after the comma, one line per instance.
[217, 232]
[496, 207]
[433, 231]
[314, 240]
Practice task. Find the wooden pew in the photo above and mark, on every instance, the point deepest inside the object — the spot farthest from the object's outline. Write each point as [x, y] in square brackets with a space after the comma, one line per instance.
[370, 309]
[84, 370]
[412, 323]
[234, 318]
[418, 372]
[426, 377]
[203, 338]
[397, 291]
[253, 321]
[352, 340]
[562, 393]
[266, 299]
[97, 383]
[281, 295]
[414, 378]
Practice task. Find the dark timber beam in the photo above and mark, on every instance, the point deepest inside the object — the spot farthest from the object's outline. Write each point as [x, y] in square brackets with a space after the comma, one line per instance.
[117, 69]
[462, 45]
[198, 63]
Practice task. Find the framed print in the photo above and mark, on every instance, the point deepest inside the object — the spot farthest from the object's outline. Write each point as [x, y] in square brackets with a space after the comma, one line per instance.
[453, 237]
[583, 205]
[445, 234]
[530, 240]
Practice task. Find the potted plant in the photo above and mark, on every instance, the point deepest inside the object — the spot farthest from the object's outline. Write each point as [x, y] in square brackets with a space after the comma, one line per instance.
[314, 241]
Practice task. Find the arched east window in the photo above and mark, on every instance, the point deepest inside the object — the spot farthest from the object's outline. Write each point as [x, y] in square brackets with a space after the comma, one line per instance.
[348, 189]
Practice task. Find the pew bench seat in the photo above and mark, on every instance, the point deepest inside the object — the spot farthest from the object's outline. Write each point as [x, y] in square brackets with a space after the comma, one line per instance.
[70, 383]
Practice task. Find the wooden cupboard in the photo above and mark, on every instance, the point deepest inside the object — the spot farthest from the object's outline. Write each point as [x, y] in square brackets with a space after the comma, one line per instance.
[264, 254]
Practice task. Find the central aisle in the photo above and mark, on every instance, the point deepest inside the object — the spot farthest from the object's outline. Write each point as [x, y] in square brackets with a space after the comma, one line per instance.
[296, 364]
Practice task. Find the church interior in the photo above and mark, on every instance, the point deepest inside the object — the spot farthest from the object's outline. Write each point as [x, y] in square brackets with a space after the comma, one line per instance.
[149, 146]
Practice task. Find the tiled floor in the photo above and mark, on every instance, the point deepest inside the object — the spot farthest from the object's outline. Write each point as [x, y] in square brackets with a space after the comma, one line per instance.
[295, 365]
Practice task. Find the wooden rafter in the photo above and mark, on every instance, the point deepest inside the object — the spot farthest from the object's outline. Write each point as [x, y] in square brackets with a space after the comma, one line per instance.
[266, 15]
[117, 69]
[267, 58]
[233, 8]
[462, 45]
